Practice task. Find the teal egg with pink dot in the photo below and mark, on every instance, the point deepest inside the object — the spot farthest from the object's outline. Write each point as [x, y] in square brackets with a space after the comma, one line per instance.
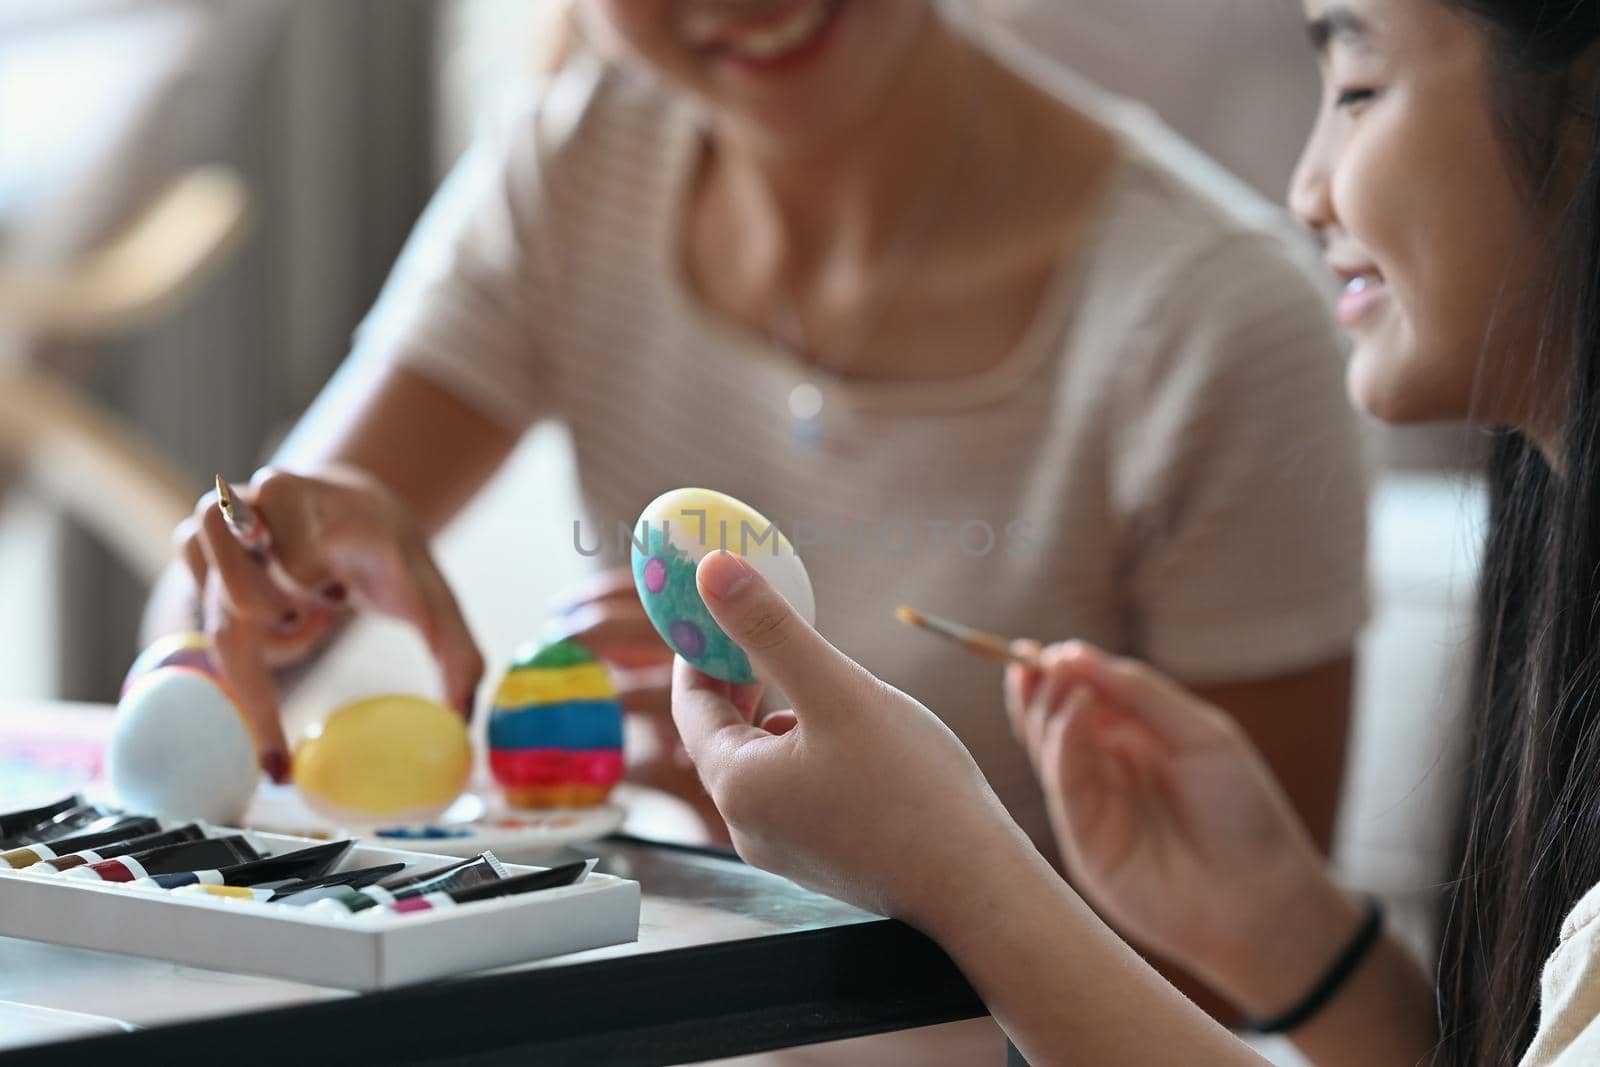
[674, 533]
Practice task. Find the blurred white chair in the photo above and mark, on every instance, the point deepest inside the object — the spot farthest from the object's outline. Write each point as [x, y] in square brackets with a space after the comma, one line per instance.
[81, 458]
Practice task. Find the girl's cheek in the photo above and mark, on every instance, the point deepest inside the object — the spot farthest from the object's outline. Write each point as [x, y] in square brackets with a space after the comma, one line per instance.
[1369, 189]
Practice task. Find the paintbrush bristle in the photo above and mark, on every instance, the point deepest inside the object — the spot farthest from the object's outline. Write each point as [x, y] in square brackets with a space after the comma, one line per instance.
[910, 617]
[224, 499]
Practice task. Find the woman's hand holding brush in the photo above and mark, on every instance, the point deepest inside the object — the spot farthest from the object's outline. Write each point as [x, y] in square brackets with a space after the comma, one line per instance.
[287, 558]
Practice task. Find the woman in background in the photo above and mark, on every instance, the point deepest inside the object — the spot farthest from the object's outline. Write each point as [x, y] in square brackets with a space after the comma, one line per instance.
[1454, 178]
[975, 348]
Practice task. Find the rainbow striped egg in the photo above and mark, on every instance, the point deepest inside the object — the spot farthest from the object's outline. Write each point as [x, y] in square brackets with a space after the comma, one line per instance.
[555, 729]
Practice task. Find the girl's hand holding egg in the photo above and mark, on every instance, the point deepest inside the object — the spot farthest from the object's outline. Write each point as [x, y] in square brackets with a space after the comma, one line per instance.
[826, 794]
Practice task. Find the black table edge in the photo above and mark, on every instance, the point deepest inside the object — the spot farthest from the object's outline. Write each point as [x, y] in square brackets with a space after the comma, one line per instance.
[678, 1006]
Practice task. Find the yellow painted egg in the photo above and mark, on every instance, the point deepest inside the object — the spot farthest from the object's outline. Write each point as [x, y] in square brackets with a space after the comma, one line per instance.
[674, 533]
[386, 759]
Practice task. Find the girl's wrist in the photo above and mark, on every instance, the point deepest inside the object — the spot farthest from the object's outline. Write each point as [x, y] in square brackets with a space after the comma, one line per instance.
[1289, 950]
[990, 884]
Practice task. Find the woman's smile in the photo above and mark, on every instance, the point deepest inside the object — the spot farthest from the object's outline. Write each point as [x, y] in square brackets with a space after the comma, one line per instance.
[770, 41]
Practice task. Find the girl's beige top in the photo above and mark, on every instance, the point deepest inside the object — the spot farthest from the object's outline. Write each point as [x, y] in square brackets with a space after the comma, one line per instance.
[1569, 996]
[1165, 464]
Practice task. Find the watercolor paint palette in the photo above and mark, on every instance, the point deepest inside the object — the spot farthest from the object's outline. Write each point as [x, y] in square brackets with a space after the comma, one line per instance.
[314, 945]
[475, 822]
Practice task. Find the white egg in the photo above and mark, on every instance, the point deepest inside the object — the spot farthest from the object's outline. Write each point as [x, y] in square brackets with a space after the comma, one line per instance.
[179, 749]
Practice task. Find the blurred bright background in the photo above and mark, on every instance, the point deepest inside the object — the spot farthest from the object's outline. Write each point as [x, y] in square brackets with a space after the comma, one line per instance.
[227, 182]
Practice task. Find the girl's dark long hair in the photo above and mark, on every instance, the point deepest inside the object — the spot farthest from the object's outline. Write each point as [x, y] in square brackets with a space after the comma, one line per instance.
[1530, 838]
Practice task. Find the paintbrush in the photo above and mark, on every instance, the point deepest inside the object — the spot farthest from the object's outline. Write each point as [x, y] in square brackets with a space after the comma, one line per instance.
[979, 642]
[243, 522]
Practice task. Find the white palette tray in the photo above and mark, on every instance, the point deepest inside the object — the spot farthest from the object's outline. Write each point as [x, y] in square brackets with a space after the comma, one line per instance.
[303, 946]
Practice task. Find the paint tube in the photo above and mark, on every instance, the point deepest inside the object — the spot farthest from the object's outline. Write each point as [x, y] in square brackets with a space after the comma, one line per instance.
[244, 893]
[132, 846]
[553, 878]
[290, 867]
[314, 889]
[16, 822]
[84, 819]
[125, 828]
[484, 867]
[205, 854]
[395, 885]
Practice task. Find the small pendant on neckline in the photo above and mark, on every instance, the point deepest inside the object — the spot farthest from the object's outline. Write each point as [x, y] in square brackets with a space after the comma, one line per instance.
[806, 404]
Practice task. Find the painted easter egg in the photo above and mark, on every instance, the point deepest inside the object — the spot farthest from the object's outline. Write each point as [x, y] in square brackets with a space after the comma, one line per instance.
[179, 749]
[192, 650]
[674, 533]
[385, 759]
[555, 729]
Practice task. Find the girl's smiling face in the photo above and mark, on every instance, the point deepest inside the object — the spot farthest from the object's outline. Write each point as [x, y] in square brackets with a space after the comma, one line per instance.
[1413, 193]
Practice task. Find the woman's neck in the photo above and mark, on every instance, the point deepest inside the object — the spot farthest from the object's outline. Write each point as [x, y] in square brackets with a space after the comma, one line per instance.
[847, 191]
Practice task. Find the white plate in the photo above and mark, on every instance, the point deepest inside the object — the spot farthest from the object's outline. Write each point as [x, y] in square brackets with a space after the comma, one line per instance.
[472, 824]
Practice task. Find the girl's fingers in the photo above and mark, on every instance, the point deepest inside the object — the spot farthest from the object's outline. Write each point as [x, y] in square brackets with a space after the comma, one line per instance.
[1028, 650]
[1021, 682]
[782, 646]
[1072, 757]
[1175, 715]
[1048, 697]
[1095, 801]
[711, 723]
[780, 723]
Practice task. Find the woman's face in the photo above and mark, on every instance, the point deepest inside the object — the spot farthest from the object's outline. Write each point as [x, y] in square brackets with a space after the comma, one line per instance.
[790, 71]
[1413, 195]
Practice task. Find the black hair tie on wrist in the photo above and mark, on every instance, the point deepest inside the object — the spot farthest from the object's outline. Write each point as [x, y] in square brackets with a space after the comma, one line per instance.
[1332, 980]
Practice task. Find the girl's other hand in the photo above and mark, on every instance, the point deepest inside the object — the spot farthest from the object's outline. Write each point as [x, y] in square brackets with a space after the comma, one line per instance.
[1172, 825]
[859, 791]
[341, 540]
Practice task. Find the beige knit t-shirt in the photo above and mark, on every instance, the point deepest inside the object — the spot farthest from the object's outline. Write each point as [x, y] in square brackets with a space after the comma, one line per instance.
[1166, 464]
[1569, 996]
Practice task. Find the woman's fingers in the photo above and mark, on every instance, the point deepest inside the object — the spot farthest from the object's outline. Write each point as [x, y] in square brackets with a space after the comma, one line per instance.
[616, 583]
[437, 616]
[239, 645]
[646, 691]
[783, 647]
[616, 630]
[244, 582]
